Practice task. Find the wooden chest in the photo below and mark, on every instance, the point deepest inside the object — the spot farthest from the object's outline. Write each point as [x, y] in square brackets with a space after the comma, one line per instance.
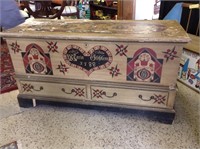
[126, 64]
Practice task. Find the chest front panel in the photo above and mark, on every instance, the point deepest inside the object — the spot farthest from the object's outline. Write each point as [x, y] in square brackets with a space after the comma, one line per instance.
[151, 63]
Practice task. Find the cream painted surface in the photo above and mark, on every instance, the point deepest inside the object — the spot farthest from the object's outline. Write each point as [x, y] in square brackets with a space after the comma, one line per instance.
[45, 89]
[169, 68]
[105, 94]
[123, 39]
[129, 96]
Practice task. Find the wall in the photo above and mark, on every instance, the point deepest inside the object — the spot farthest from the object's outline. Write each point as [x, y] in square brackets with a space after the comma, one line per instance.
[144, 9]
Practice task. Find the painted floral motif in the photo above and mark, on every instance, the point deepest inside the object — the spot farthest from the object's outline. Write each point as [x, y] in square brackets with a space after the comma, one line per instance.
[121, 50]
[159, 99]
[62, 67]
[36, 61]
[15, 47]
[114, 71]
[145, 66]
[29, 88]
[170, 54]
[52, 46]
[98, 93]
[78, 92]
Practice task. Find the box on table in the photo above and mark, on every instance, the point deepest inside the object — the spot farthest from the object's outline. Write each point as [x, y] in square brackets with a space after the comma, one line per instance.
[126, 64]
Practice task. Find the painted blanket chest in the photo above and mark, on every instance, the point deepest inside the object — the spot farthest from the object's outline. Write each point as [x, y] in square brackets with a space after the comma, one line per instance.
[126, 64]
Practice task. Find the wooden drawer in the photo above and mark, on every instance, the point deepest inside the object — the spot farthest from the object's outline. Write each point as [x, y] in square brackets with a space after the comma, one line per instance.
[53, 89]
[130, 96]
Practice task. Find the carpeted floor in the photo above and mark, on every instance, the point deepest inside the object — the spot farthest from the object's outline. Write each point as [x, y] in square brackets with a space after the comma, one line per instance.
[8, 82]
[53, 127]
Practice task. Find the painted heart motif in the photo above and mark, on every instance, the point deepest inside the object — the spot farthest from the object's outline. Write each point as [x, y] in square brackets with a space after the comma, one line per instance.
[99, 57]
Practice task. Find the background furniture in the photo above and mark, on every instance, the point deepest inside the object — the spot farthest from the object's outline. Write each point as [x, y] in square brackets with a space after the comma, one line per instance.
[187, 14]
[189, 70]
[70, 9]
[51, 9]
[190, 22]
[126, 9]
[102, 11]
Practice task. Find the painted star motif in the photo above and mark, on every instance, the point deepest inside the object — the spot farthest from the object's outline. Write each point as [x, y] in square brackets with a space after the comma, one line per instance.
[79, 92]
[62, 68]
[114, 71]
[52, 47]
[98, 93]
[170, 54]
[15, 47]
[159, 99]
[121, 50]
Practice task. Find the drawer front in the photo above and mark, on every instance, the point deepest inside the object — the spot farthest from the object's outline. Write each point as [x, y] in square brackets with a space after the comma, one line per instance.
[130, 96]
[72, 91]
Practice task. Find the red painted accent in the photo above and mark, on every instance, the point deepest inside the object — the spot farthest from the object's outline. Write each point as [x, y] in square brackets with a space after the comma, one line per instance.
[8, 82]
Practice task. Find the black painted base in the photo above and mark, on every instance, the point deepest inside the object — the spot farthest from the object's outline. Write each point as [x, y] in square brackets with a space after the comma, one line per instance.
[25, 102]
[162, 117]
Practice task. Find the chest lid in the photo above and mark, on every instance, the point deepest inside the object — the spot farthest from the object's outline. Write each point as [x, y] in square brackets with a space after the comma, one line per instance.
[98, 30]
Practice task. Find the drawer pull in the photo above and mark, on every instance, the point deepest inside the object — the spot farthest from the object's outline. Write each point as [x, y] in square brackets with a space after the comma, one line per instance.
[140, 96]
[28, 88]
[41, 88]
[78, 91]
[114, 94]
[99, 93]
[159, 99]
